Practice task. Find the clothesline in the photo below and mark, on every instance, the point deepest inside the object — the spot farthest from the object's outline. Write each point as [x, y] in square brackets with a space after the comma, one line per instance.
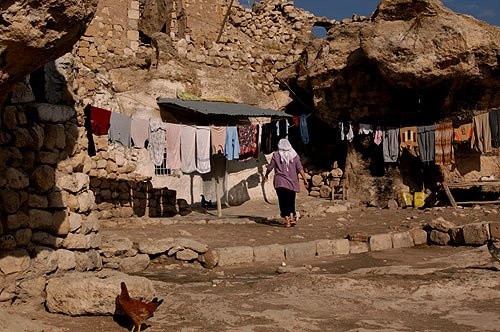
[187, 147]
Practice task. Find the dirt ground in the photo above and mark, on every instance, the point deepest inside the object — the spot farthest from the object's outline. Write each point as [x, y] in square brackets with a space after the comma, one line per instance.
[414, 289]
[256, 223]
[425, 288]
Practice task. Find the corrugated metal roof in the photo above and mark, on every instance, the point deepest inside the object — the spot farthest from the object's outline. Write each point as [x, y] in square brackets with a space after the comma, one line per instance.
[221, 108]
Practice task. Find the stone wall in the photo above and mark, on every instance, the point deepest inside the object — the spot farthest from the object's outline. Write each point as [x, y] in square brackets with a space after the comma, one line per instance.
[46, 205]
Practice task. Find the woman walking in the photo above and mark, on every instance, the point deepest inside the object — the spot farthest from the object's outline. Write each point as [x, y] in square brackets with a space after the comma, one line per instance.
[286, 164]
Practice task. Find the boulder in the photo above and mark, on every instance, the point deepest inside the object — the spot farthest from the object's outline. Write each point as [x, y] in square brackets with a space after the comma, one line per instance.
[82, 293]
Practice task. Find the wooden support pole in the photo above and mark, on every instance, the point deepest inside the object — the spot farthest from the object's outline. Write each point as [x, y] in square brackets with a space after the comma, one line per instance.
[450, 196]
[217, 197]
[224, 21]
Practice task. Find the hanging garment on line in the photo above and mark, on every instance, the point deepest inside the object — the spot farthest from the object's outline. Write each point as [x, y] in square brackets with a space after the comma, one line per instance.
[99, 120]
[408, 140]
[173, 145]
[390, 145]
[463, 133]
[248, 137]
[203, 149]
[444, 144]
[282, 129]
[304, 131]
[426, 143]
[157, 144]
[188, 149]
[268, 144]
[494, 118]
[379, 135]
[119, 129]
[218, 139]
[365, 129]
[481, 140]
[139, 131]
[346, 131]
[232, 146]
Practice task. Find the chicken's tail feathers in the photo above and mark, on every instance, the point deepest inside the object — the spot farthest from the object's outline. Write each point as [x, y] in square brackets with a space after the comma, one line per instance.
[124, 289]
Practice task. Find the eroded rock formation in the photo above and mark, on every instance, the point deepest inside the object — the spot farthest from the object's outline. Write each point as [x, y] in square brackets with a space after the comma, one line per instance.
[33, 33]
[414, 57]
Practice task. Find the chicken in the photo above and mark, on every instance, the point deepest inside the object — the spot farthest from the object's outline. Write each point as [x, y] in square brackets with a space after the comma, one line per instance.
[494, 251]
[137, 310]
[207, 204]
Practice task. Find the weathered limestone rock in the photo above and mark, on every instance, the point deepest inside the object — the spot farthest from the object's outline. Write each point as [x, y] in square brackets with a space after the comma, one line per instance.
[357, 247]
[117, 246]
[93, 294]
[340, 247]
[300, 250]
[269, 253]
[324, 248]
[65, 259]
[418, 235]
[476, 234]
[234, 255]
[155, 247]
[137, 263]
[52, 35]
[439, 238]
[380, 242]
[186, 255]
[210, 259]
[14, 261]
[192, 244]
[441, 224]
[402, 240]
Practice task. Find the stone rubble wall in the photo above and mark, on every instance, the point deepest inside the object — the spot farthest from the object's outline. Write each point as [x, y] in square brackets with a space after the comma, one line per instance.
[122, 254]
[47, 223]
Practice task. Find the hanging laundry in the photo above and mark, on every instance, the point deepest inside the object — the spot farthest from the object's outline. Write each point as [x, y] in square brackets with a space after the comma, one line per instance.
[267, 141]
[346, 131]
[188, 149]
[365, 129]
[408, 140]
[232, 146]
[350, 133]
[296, 121]
[444, 144]
[218, 139]
[139, 131]
[282, 129]
[494, 118]
[119, 129]
[99, 120]
[304, 131]
[157, 144]
[248, 137]
[173, 145]
[481, 139]
[463, 133]
[379, 135]
[426, 143]
[202, 149]
[390, 145]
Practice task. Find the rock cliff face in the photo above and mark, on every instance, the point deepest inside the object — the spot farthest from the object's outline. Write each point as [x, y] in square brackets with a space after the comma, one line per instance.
[33, 33]
[413, 56]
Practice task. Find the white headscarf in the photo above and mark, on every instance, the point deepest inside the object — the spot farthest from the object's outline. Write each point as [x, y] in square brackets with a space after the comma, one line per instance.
[286, 151]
